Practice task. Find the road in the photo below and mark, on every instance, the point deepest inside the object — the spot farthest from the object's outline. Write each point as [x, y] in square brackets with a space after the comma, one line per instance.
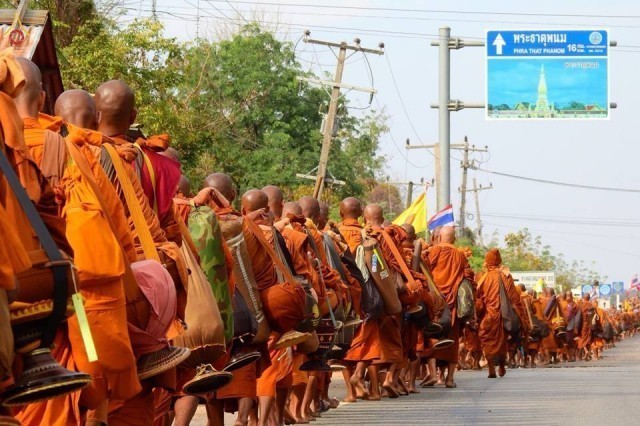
[596, 392]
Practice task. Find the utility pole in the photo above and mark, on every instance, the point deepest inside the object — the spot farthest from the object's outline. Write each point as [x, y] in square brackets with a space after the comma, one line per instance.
[335, 96]
[476, 189]
[466, 165]
[409, 195]
[445, 105]
[437, 157]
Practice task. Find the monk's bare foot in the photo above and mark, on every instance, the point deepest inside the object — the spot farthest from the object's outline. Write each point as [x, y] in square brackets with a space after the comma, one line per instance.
[391, 392]
[374, 397]
[401, 388]
[361, 392]
[451, 385]
[413, 390]
[501, 371]
[349, 399]
[428, 382]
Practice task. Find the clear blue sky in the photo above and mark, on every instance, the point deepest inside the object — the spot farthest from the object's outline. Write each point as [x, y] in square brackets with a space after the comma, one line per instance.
[590, 225]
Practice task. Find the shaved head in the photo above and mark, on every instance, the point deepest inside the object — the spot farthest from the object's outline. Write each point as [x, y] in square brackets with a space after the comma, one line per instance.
[276, 200]
[116, 105]
[184, 186]
[254, 199]
[222, 183]
[350, 208]
[448, 234]
[292, 208]
[30, 99]
[522, 287]
[172, 153]
[310, 208]
[411, 231]
[323, 217]
[77, 107]
[373, 215]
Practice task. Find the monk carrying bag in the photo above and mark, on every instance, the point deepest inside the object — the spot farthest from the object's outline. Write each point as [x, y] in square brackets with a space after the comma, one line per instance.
[42, 377]
[466, 309]
[510, 320]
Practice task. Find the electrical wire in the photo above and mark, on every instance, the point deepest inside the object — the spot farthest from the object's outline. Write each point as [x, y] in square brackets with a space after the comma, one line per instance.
[552, 182]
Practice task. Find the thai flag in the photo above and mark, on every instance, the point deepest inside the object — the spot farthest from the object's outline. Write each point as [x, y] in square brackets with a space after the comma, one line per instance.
[635, 284]
[443, 218]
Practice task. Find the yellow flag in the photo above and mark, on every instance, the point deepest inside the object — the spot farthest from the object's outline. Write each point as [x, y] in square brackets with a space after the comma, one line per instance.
[416, 214]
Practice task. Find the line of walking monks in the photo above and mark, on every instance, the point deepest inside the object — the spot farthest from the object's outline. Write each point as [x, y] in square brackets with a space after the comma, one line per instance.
[154, 300]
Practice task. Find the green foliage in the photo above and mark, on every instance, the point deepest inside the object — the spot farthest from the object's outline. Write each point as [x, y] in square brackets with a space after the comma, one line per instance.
[234, 106]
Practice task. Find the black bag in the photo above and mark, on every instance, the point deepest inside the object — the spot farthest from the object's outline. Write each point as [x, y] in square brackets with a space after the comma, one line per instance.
[311, 312]
[245, 326]
[444, 319]
[510, 320]
[370, 299]
[466, 307]
[607, 331]
[577, 320]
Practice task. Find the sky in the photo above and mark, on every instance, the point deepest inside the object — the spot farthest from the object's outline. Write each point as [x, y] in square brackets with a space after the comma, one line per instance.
[582, 224]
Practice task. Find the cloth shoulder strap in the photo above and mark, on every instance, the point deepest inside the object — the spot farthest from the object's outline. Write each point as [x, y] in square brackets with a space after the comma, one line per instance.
[135, 209]
[152, 175]
[403, 265]
[130, 285]
[270, 250]
[54, 157]
[58, 264]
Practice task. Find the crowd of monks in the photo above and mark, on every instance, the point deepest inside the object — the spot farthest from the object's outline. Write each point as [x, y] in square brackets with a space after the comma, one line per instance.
[296, 297]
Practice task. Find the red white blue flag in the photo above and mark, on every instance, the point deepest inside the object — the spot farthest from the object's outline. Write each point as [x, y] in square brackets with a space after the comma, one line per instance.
[443, 218]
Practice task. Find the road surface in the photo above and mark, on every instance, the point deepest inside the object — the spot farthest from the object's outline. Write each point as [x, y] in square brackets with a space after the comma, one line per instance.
[596, 392]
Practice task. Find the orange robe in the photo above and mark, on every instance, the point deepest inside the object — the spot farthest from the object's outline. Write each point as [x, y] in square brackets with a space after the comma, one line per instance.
[63, 410]
[366, 340]
[449, 266]
[584, 334]
[491, 332]
[548, 343]
[100, 269]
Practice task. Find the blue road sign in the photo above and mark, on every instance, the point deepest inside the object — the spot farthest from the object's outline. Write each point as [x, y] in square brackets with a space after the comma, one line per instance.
[605, 289]
[618, 286]
[547, 74]
[547, 43]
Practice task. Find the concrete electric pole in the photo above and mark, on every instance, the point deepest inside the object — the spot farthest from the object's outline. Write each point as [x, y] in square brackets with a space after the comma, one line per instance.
[466, 165]
[476, 189]
[335, 96]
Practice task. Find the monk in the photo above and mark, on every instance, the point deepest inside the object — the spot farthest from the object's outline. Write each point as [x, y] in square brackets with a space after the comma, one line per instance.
[13, 254]
[449, 266]
[569, 310]
[239, 395]
[390, 334]
[365, 347]
[115, 372]
[276, 200]
[276, 380]
[585, 338]
[493, 336]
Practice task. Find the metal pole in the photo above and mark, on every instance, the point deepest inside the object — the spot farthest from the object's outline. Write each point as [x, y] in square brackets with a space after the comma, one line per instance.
[409, 195]
[478, 221]
[330, 120]
[444, 124]
[463, 187]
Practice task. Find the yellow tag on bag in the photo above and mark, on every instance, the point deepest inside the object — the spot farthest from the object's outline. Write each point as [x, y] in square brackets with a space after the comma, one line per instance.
[85, 331]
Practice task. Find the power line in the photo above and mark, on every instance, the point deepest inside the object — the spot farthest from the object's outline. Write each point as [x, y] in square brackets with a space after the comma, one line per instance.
[461, 12]
[552, 182]
[567, 221]
[439, 19]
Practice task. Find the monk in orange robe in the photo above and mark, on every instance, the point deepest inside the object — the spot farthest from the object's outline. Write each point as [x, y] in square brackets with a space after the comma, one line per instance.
[13, 256]
[548, 345]
[271, 397]
[449, 266]
[100, 265]
[365, 347]
[390, 336]
[585, 338]
[492, 335]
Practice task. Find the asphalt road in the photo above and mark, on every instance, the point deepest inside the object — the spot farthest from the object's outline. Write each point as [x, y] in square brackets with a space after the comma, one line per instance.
[597, 392]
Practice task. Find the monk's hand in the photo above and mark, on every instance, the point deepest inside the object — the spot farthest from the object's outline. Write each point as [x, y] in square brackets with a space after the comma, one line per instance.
[281, 224]
[203, 197]
[258, 215]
